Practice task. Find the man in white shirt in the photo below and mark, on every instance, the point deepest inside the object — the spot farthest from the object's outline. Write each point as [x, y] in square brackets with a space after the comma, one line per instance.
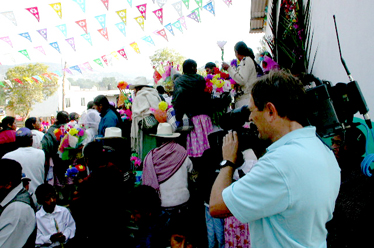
[31, 159]
[17, 215]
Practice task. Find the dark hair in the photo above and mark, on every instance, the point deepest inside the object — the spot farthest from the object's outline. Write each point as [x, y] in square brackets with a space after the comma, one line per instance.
[94, 152]
[189, 66]
[242, 49]
[10, 171]
[210, 65]
[29, 123]
[101, 99]
[24, 141]
[284, 91]
[90, 105]
[73, 115]
[42, 191]
[160, 89]
[62, 118]
[7, 120]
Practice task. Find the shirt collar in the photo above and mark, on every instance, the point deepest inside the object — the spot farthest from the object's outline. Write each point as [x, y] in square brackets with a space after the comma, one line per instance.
[11, 195]
[43, 212]
[305, 132]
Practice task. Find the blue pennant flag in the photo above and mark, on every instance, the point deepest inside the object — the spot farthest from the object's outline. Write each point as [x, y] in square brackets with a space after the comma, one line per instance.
[55, 46]
[62, 28]
[209, 7]
[101, 19]
[82, 4]
[148, 39]
[87, 37]
[26, 35]
[121, 27]
[169, 28]
[58, 73]
[76, 68]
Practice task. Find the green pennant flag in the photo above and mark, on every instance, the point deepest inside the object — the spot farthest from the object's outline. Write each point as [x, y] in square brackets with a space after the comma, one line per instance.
[98, 61]
[2, 84]
[24, 52]
[199, 3]
[187, 3]
[197, 11]
[178, 25]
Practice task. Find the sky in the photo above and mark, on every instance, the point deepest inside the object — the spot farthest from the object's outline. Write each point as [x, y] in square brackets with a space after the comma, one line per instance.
[198, 41]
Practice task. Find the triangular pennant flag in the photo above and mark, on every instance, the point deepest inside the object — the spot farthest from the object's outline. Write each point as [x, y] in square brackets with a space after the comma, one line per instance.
[193, 16]
[55, 46]
[106, 4]
[178, 25]
[87, 37]
[76, 68]
[142, 9]
[159, 14]
[187, 3]
[122, 15]
[163, 34]
[104, 33]
[130, 2]
[40, 49]
[62, 28]
[82, 24]
[183, 22]
[228, 2]
[28, 80]
[57, 7]
[24, 52]
[35, 12]
[169, 28]
[122, 53]
[134, 45]
[82, 4]
[197, 11]
[43, 32]
[67, 70]
[88, 66]
[140, 21]
[121, 27]
[71, 42]
[209, 7]
[114, 54]
[40, 79]
[26, 35]
[98, 61]
[9, 83]
[59, 74]
[199, 3]
[178, 7]
[18, 80]
[101, 19]
[35, 79]
[47, 76]
[148, 39]
[7, 40]
[105, 59]
[161, 3]
[10, 16]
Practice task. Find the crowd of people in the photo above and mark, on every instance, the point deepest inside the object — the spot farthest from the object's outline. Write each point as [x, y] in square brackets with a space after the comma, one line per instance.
[233, 163]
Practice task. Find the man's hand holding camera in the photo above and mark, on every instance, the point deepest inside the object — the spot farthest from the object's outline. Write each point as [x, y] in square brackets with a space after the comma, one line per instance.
[230, 147]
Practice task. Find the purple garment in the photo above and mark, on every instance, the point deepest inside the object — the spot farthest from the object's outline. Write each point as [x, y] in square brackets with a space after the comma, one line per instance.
[161, 163]
[269, 64]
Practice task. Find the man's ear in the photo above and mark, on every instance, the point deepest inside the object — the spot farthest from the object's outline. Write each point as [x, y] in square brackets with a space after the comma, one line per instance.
[271, 109]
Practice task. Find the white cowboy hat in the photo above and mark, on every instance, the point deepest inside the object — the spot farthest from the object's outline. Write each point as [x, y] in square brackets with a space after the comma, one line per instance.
[139, 81]
[111, 133]
[164, 130]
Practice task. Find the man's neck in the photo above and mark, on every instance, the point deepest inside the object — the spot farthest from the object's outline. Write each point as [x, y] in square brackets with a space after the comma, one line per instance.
[285, 126]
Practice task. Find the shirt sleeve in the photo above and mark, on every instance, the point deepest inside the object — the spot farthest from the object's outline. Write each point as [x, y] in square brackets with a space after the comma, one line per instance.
[261, 193]
[242, 73]
[69, 231]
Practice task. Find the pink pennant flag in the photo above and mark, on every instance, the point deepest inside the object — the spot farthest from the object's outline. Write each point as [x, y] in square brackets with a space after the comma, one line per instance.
[122, 53]
[228, 2]
[68, 71]
[105, 59]
[142, 9]
[34, 11]
[40, 49]
[106, 3]
[159, 14]
[71, 42]
[43, 32]
[183, 22]
[104, 32]
[88, 66]
[163, 34]
[7, 40]
[82, 24]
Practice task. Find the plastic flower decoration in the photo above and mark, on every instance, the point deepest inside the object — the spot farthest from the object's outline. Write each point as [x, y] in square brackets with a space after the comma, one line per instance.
[163, 75]
[218, 83]
[80, 167]
[161, 113]
[71, 172]
[122, 85]
[135, 160]
[71, 137]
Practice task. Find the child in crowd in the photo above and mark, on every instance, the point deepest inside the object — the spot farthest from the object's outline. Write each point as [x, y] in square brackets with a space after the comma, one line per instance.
[181, 231]
[55, 224]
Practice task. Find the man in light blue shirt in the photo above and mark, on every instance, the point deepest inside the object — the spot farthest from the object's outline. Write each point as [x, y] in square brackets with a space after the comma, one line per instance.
[290, 194]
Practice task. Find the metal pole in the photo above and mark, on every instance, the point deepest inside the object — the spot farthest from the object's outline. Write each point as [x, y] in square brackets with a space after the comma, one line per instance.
[63, 88]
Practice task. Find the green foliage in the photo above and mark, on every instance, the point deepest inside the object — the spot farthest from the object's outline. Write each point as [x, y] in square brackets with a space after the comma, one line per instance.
[165, 55]
[21, 97]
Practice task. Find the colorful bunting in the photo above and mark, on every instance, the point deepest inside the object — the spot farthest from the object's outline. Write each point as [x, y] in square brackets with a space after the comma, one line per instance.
[82, 24]
[228, 2]
[197, 11]
[43, 32]
[134, 45]
[76, 68]
[24, 52]
[114, 54]
[121, 27]
[159, 15]
[39, 78]
[10, 16]
[148, 39]
[122, 15]
[62, 28]
[88, 66]
[98, 61]
[161, 3]
[142, 9]
[67, 70]
[130, 2]
[34, 11]
[209, 7]
[163, 33]
[57, 7]
[101, 19]
[71, 42]
[104, 33]
[82, 4]
[28, 80]
[105, 59]
[122, 53]
[169, 28]
[106, 4]
[178, 25]
[178, 7]
[87, 37]
[193, 16]
[183, 22]
[47, 76]
[140, 21]
[199, 3]
[18, 80]
[35, 79]
[26, 35]
[40, 49]
[7, 40]
[55, 46]
[9, 83]
[187, 3]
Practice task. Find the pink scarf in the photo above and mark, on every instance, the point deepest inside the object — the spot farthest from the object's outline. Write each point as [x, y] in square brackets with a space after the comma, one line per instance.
[161, 163]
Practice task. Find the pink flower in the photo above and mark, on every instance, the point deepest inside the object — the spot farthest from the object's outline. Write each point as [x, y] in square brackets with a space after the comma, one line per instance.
[137, 162]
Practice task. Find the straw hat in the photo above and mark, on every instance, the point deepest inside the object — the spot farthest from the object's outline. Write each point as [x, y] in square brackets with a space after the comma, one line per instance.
[165, 130]
[139, 81]
[111, 133]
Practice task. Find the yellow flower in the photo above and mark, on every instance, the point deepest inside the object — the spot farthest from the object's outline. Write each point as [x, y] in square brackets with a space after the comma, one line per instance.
[163, 105]
[73, 131]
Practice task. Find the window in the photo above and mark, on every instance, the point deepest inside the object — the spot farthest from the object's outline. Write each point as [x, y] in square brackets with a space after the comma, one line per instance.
[67, 102]
[83, 101]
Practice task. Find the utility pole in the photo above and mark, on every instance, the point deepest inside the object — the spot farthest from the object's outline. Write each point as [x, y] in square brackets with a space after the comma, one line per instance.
[63, 88]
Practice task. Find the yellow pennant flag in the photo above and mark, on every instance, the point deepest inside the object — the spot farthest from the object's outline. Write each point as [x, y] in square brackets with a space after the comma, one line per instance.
[135, 46]
[140, 21]
[28, 79]
[114, 54]
[57, 8]
[122, 15]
